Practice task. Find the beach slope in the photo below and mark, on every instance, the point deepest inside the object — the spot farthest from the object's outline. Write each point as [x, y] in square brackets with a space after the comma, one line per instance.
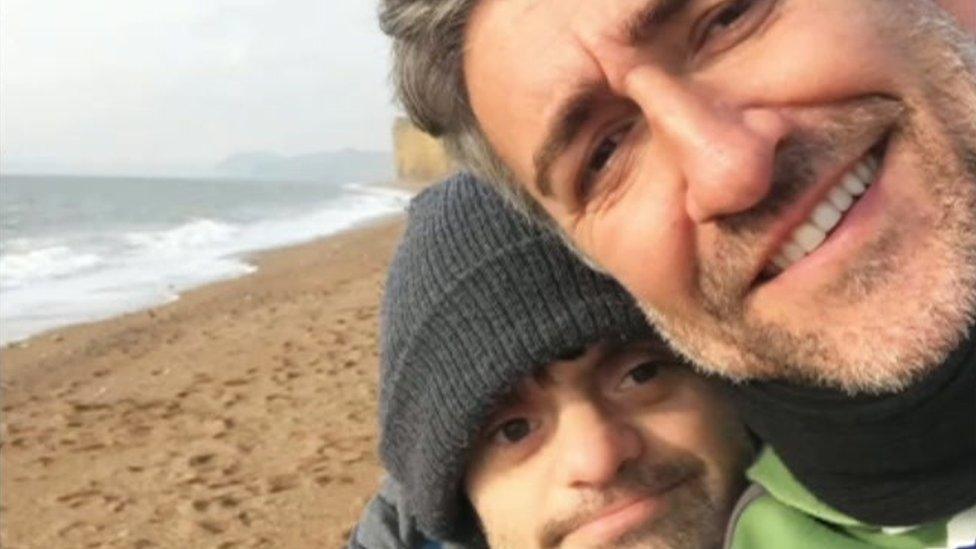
[241, 415]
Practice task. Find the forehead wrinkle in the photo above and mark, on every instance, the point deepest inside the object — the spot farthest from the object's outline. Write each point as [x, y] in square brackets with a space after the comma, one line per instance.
[575, 110]
[571, 114]
[640, 26]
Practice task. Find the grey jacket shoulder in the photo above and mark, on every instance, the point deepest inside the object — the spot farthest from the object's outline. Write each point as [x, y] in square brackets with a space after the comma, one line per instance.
[385, 524]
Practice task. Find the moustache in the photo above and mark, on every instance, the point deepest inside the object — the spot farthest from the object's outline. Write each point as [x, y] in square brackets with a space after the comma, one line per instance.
[825, 138]
[833, 132]
[635, 481]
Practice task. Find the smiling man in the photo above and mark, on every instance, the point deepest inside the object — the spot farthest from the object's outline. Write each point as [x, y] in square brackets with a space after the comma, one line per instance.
[788, 187]
[525, 398]
[770, 178]
[738, 136]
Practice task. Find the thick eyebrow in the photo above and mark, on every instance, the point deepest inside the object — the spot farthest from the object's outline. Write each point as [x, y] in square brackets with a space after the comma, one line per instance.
[577, 107]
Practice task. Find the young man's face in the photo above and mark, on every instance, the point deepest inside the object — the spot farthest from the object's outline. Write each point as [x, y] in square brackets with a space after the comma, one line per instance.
[621, 447]
[787, 186]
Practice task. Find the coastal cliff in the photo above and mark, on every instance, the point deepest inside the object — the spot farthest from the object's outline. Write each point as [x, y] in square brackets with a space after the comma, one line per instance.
[420, 158]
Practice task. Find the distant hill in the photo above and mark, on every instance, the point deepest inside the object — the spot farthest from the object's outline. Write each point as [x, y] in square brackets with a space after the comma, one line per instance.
[344, 166]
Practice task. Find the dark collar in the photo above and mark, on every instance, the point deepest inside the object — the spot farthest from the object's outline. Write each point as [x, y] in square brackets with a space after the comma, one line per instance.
[892, 460]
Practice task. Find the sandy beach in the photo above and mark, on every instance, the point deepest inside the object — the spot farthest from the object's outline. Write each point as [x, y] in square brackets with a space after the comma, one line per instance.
[241, 415]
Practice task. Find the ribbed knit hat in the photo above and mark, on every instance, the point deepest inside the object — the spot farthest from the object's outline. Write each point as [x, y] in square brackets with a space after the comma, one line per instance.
[477, 299]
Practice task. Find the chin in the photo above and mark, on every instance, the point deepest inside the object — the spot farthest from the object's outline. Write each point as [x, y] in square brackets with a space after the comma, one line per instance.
[882, 342]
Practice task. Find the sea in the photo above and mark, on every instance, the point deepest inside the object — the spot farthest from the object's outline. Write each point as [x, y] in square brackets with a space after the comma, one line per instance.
[80, 249]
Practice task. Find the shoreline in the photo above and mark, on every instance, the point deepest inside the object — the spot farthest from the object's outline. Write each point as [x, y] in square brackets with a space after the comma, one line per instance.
[57, 284]
[254, 259]
[243, 412]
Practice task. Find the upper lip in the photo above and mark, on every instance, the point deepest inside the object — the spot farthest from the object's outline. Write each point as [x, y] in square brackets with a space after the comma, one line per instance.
[798, 214]
[627, 501]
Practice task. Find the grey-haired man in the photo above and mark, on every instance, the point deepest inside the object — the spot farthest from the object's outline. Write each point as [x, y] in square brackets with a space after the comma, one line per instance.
[788, 187]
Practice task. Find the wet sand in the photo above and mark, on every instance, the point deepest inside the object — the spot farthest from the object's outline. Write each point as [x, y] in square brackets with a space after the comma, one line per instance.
[241, 415]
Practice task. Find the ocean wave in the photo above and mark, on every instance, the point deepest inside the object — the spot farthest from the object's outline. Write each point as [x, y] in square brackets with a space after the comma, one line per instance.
[399, 195]
[17, 269]
[91, 277]
[196, 234]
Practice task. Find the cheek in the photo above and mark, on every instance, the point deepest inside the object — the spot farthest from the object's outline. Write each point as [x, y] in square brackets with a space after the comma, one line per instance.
[688, 428]
[645, 241]
[964, 11]
[702, 423]
[507, 503]
[815, 52]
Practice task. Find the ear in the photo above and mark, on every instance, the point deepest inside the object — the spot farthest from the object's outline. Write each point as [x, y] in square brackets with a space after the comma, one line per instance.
[964, 11]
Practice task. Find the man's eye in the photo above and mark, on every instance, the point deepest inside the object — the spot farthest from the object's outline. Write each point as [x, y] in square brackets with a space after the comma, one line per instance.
[735, 15]
[601, 158]
[639, 375]
[604, 152]
[512, 431]
[729, 15]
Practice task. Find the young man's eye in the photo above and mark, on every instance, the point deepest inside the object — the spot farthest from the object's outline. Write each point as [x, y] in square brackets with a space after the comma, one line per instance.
[512, 431]
[639, 375]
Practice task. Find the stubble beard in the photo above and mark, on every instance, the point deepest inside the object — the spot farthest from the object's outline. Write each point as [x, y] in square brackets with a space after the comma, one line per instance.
[897, 338]
[698, 507]
[697, 522]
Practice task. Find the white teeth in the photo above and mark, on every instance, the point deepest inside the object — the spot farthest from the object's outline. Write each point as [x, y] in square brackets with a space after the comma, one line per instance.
[793, 252]
[865, 172]
[828, 214]
[840, 198]
[808, 236]
[873, 163]
[852, 184]
[781, 262]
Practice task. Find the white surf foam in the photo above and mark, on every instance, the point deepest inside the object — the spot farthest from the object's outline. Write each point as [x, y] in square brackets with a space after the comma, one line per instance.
[64, 284]
[18, 269]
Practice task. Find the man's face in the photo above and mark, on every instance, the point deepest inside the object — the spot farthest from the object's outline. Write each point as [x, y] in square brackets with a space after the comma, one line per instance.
[787, 186]
[620, 447]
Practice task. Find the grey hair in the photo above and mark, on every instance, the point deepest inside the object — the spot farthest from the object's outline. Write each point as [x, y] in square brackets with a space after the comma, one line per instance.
[428, 76]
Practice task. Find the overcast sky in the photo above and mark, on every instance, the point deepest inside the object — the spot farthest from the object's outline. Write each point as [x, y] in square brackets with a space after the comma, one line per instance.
[98, 85]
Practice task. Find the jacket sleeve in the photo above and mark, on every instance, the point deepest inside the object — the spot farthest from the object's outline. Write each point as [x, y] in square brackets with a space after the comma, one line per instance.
[385, 524]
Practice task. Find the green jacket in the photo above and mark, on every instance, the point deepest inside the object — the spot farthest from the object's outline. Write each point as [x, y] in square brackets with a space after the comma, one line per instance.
[777, 512]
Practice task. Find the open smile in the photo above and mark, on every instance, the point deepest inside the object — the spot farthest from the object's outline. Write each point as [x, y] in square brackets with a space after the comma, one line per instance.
[835, 201]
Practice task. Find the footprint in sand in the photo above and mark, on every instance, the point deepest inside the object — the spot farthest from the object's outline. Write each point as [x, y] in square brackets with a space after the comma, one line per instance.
[78, 529]
[281, 483]
[201, 460]
[94, 496]
[217, 512]
[237, 382]
[218, 427]
[232, 400]
[200, 379]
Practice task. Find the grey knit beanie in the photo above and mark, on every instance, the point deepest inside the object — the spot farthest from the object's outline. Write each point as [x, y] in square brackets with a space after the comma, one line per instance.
[477, 298]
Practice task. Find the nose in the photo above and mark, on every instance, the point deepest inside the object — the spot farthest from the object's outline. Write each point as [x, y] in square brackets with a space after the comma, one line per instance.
[595, 445]
[724, 153]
